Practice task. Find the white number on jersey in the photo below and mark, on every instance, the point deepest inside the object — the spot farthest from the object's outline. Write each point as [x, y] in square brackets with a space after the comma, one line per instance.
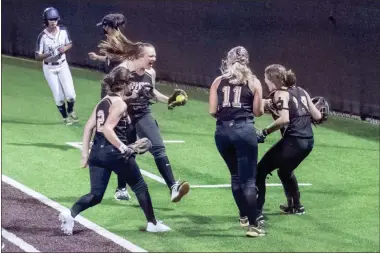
[226, 97]
[303, 100]
[99, 121]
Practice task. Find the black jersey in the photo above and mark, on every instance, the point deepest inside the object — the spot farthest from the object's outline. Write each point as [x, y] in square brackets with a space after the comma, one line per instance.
[234, 101]
[102, 112]
[141, 86]
[110, 64]
[299, 114]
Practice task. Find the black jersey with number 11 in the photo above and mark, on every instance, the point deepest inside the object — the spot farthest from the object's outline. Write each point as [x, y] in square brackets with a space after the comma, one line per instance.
[234, 101]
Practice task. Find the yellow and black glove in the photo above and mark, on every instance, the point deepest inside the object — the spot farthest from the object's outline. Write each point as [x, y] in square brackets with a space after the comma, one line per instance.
[178, 98]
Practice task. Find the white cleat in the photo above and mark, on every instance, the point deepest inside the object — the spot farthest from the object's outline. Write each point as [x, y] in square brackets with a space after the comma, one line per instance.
[67, 222]
[122, 195]
[179, 190]
[159, 227]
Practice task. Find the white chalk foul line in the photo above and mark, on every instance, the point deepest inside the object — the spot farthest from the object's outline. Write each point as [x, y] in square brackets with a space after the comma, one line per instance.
[161, 180]
[17, 241]
[174, 141]
[85, 222]
[79, 144]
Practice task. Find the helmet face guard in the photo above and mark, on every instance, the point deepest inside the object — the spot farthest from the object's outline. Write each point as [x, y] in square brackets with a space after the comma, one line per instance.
[50, 14]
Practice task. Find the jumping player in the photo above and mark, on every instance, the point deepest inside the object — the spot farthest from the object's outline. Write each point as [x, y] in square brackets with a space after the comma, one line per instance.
[110, 152]
[110, 24]
[139, 59]
[295, 112]
[52, 43]
[235, 99]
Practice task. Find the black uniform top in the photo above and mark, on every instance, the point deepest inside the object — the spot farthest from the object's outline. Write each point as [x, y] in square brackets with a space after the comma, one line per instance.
[234, 101]
[299, 114]
[110, 64]
[141, 86]
[102, 112]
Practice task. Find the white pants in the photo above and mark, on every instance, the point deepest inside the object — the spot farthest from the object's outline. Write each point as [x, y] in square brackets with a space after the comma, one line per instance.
[60, 81]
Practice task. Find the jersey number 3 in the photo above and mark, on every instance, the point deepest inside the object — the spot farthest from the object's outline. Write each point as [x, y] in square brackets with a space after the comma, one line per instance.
[99, 121]
[226, 99]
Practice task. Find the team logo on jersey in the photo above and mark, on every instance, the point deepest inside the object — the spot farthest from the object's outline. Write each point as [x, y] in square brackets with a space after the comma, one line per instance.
[136, 86]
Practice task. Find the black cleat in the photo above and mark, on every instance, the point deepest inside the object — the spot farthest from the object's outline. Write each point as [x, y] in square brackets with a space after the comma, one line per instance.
[244, 221]
[293, 209]
[260, 220]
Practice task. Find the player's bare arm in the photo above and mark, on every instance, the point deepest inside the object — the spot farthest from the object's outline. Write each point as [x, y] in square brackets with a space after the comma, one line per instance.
[40, 57]
[282, 100]
[258, 105]
[87, 134]
[315, 113]
[96, 57]
[65, 48]
[118, 108]
[160, 97]
[213, 98]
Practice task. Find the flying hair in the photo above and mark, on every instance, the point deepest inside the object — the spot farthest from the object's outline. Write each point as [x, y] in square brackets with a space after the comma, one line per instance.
[120, 48]
[235, 66]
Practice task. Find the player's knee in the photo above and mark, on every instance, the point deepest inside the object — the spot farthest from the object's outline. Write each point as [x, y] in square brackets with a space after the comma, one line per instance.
[71, 100]
[139, 187]
[249, 187]
[284, 174]
[235, 182]
[158, 152]
[94, 198]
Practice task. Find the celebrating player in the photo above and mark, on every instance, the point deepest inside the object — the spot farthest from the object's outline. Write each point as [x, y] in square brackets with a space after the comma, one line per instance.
[52, 43]
[294, 110]
[111, 23]
[139, 58]
[235, 98]
[110, 152]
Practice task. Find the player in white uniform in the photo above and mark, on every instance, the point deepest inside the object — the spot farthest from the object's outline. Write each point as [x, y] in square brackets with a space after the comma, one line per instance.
[52, 43]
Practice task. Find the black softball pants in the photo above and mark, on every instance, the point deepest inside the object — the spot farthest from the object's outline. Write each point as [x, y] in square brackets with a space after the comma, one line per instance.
[285, 156]
[105, 158]
[236, 142]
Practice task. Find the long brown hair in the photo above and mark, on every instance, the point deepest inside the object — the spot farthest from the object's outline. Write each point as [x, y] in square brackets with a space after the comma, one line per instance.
[116, 80]
[280, 76]
[120, 48]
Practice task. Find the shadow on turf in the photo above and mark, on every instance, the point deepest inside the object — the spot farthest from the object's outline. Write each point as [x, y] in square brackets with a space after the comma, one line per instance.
[45, 145]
